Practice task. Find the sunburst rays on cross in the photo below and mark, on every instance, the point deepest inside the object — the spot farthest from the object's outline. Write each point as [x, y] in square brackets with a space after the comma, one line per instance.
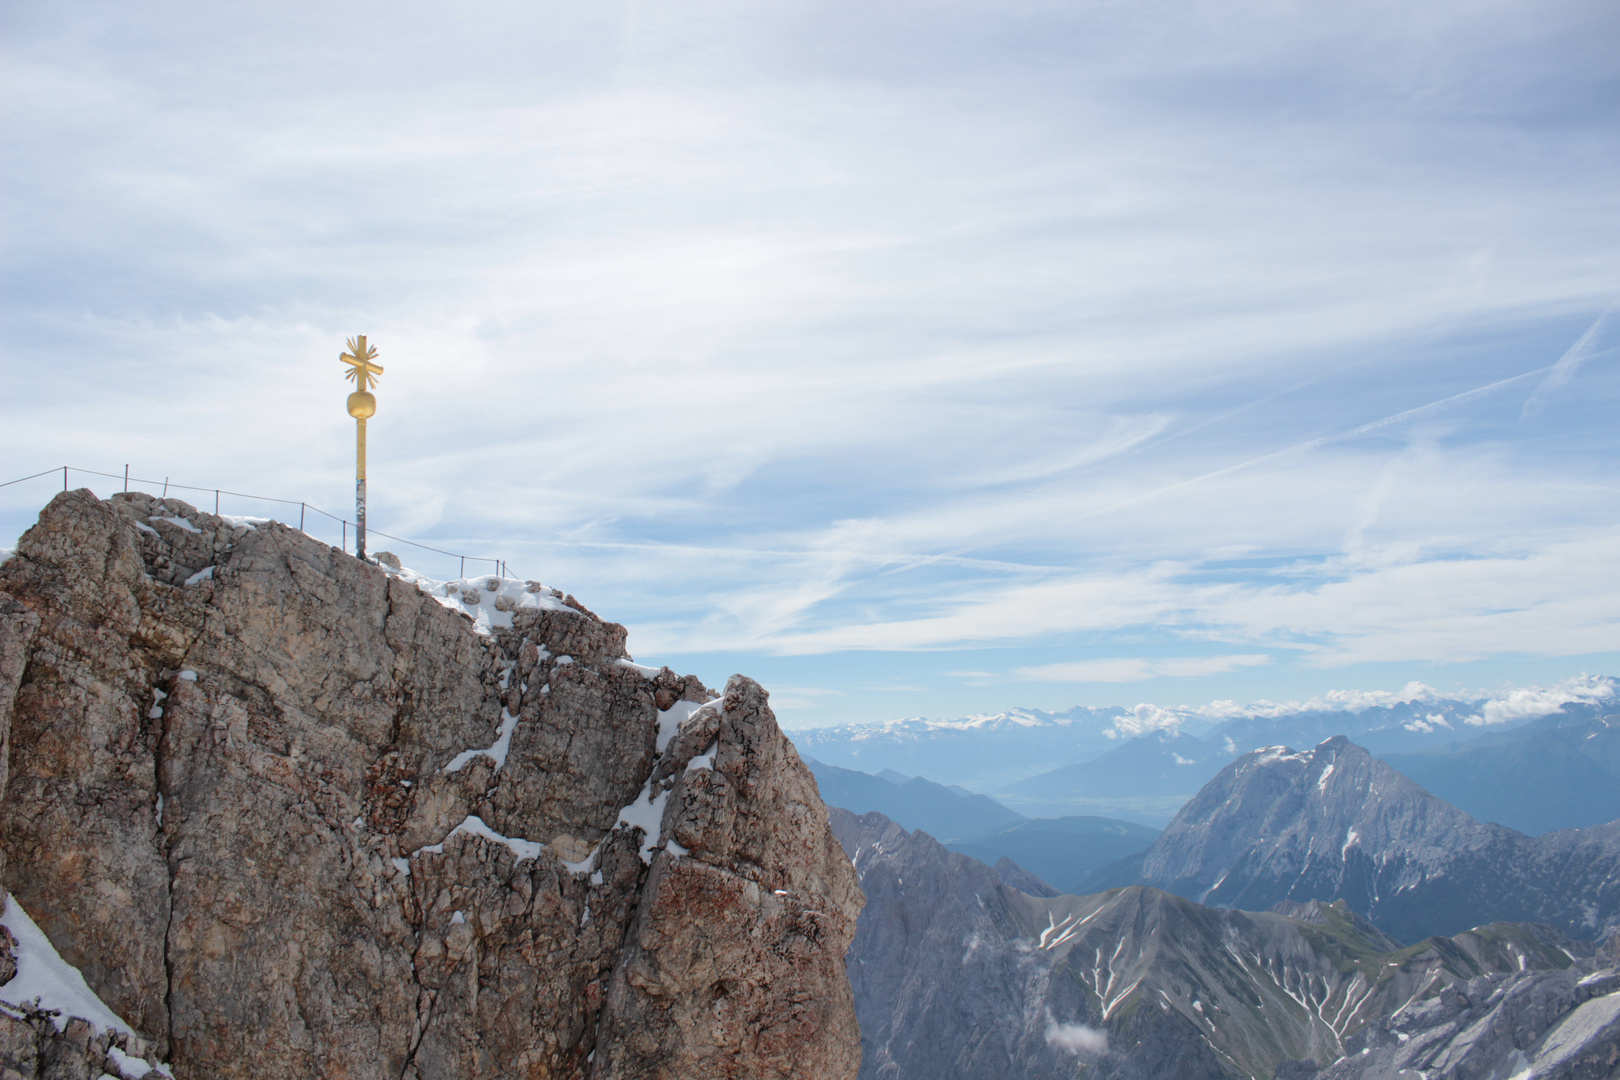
[359, 358]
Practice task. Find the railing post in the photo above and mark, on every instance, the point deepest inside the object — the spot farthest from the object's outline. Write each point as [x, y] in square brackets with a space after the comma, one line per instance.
[464, 567]
[216, 502]
[64, 478]
[300, 517]
[126, 479]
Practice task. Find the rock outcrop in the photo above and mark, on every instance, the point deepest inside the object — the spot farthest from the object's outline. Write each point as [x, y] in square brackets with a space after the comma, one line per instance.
[293, 816]
[1335, 823]
[1528, 1025]
[958, 974]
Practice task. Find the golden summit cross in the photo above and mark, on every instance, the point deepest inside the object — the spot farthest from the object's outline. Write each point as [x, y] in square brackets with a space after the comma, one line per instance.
[362, 404]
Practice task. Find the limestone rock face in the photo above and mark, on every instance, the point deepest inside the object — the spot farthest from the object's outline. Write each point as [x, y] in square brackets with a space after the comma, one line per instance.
[729, 970]
[245, 799]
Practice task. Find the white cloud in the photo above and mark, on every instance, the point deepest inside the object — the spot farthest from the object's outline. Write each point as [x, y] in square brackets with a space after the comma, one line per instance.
[1531, 702]
[1146, 718]
[1336, 700]
[1076, 1038]
[1139, 669]
[1429, 723]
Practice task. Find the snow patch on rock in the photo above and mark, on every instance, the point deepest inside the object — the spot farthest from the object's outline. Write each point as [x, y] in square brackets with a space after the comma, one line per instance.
[496, 750]
[523, 849]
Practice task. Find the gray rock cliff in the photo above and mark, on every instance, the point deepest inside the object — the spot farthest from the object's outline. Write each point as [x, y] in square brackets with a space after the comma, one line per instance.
[245, 797]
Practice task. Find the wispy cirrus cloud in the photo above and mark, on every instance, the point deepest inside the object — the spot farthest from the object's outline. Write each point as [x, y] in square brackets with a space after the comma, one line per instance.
[812, 330]
[1140, 669]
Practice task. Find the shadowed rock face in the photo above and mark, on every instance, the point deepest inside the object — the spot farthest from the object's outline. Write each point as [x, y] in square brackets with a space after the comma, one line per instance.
[227, 805]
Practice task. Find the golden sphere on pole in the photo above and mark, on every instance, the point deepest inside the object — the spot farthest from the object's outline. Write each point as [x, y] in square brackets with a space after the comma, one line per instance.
[362, 404]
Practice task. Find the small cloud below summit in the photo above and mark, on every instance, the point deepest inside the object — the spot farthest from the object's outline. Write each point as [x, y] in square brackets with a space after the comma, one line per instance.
[1076, 1038]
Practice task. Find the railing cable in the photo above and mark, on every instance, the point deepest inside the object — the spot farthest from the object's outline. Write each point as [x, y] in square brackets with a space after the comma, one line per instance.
[303, 507]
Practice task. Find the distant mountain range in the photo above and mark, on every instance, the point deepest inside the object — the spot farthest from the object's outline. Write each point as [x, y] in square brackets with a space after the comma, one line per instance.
[981, 753]
[1531, 759]
[1146, 779]
[957, 973]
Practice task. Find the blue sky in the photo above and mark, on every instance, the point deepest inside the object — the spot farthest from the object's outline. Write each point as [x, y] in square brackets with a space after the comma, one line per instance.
[912, 358]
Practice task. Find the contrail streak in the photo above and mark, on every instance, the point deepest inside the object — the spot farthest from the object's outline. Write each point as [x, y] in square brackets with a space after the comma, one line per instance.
[1564, 370]
[1577, 350]
[1312, 444]
[803, 554]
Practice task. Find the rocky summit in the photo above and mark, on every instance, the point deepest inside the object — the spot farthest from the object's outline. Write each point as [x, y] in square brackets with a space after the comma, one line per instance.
[292, 815]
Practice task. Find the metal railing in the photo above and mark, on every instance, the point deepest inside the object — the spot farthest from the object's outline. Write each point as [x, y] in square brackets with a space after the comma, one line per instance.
[304, 509]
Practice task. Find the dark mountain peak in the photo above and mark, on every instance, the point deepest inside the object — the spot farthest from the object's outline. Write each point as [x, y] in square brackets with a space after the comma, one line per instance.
[1335, 824]
[1277, 813]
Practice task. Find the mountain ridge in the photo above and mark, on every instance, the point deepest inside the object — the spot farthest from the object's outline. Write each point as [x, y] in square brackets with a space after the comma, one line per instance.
[958, 974]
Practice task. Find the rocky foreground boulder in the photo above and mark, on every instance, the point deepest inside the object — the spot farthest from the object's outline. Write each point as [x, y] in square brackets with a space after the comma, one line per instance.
[294, 815]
